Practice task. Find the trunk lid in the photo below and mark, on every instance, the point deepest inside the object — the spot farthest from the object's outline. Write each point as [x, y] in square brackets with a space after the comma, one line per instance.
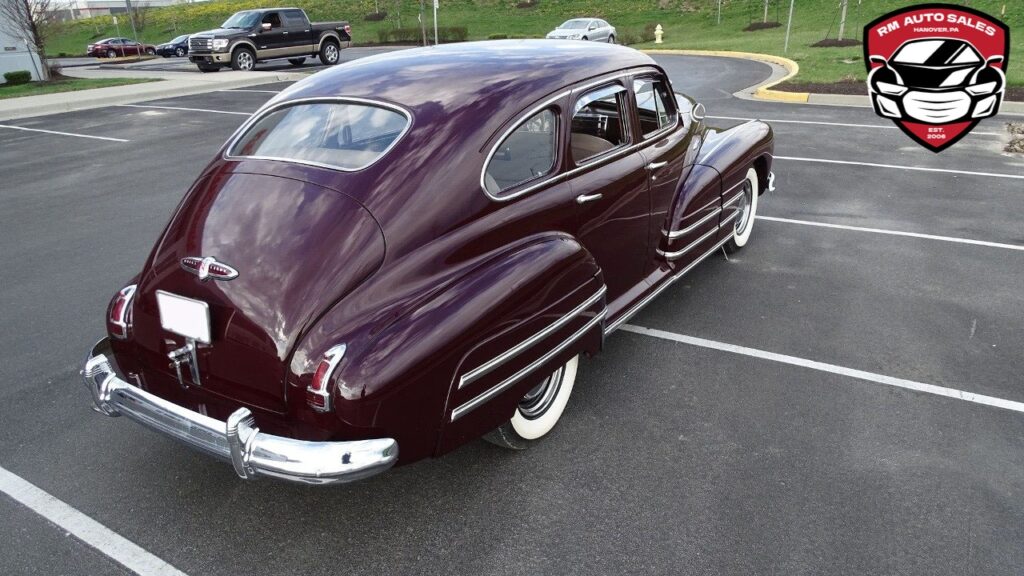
[297, 247]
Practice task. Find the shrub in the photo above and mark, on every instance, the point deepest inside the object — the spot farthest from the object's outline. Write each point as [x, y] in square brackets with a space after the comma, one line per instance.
[453, 33]
[628, 38]
[382, 35]
[410, 35]
[497, 36]
[18, 77]
[375, 16]
[527, 4]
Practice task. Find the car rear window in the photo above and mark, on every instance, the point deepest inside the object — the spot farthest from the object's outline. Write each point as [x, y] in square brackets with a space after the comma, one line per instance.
[340, 135]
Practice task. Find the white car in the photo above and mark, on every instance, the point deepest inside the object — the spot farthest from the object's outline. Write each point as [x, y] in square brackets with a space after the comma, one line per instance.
[584, 29]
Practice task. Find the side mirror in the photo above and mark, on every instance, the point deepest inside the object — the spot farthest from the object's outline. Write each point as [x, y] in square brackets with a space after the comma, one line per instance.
[876, 59]
[994, 60]
[265, 26]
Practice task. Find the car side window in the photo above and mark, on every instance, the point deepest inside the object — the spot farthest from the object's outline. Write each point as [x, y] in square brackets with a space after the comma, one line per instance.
[598, 124]
[294, 19]
[273, 19]
[654, 105]
[525, 154]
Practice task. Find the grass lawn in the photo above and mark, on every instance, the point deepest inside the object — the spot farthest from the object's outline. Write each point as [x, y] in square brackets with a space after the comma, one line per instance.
[687, 24]
[65, 85]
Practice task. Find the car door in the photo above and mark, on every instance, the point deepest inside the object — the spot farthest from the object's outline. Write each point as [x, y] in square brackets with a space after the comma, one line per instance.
[272, 43]
[610, 182]
[297, 33]
[594, 31]
[131, 48]
[671, 151]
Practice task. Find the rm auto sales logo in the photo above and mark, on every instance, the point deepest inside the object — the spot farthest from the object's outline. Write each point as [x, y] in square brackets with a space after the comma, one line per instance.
[936, 70]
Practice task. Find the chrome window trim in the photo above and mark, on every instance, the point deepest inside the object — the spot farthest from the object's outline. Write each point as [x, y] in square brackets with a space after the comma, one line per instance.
[493, 363]
[595, 163]
[479, 400]
[661, 288]
[664, 129]
[264, 112]
[677, 233]
[680, 253]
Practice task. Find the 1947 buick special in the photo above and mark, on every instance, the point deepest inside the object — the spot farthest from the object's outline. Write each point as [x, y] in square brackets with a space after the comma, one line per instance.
[413, 250]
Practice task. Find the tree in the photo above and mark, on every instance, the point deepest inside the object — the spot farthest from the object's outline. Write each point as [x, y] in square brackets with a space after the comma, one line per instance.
[32, 21]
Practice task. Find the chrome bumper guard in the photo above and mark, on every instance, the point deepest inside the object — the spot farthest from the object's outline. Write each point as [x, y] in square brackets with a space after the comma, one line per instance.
[238, 440]
[771, 181]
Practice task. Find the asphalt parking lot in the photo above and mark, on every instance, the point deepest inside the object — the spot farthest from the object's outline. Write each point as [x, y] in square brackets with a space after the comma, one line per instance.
[756, 418]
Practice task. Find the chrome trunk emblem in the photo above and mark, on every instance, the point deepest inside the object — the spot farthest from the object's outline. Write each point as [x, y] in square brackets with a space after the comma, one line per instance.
[208, 267]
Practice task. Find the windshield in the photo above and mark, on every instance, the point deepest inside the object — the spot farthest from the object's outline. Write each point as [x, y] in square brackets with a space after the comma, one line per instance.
[937, 53]
[180, 39]
[574, 24]
[338, 135]
[244, 19]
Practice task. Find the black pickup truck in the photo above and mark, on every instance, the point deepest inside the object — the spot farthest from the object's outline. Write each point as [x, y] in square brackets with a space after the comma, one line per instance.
[252, 36]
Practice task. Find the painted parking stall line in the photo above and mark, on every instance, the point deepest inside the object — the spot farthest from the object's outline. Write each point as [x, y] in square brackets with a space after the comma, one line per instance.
[57, 133]
[970, 241]
[249, 90]
[830, 368]
[110, 543]
[183, 109]
[897, 167]
[838, 124]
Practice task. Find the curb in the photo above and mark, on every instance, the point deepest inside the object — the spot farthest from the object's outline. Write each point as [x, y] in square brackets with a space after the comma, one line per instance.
[763, 91]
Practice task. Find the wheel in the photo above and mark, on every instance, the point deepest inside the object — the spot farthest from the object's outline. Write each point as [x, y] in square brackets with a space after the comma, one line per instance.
[330, 53]
[743, 224]
[179, 51]
[584, 38]
[611, 39]
[111, 54]
[296, 61]
[243, 59]
[150, 51]
[208, 68]
[538, 411]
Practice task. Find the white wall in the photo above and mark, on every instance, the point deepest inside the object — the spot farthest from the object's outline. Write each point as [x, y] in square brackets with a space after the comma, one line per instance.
[15, 55]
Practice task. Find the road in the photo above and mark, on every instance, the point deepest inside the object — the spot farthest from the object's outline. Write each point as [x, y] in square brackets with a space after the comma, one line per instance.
[751, 447]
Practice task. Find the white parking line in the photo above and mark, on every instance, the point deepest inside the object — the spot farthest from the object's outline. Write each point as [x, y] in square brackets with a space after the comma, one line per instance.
[247, 90]
[894, 233]
[89, 531]
[62, 133]
[183, 109]
[898, 167]
[830, 368]
[842, 124]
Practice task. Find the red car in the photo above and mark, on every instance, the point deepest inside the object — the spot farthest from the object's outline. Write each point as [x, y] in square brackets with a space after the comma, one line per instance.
[116, 47]
[383, 259]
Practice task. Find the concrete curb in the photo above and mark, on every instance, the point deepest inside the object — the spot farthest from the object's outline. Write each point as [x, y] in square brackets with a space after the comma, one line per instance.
[170, 84]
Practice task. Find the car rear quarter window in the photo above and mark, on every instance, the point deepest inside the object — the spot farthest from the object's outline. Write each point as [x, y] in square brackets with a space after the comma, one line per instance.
[340, 135]
[525, 154]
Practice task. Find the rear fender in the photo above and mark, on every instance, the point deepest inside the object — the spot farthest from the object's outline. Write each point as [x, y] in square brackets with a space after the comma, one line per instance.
[732, 151]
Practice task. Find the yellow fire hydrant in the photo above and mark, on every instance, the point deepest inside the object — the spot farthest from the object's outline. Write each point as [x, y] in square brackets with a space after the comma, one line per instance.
[658, 32]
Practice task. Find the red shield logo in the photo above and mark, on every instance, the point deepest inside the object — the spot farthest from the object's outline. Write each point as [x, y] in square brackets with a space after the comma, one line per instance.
[936, 70]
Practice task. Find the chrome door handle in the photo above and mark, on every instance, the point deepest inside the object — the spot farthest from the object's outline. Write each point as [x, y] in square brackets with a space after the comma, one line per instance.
[584, 198]
[656, 165]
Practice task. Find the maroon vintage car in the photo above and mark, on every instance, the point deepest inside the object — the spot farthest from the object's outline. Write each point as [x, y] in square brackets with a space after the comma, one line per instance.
[414, 249]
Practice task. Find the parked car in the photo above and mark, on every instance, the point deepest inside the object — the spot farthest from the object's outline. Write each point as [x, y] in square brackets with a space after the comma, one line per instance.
[177, 47]
[252, 36]
[117, 47]
[593, 29]
[376, 260]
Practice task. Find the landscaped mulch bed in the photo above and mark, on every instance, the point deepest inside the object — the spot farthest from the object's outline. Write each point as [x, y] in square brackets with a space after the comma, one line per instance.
[833, 43]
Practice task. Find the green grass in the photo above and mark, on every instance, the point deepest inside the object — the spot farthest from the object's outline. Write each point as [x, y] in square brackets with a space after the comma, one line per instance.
[688, 24]
[65, 85]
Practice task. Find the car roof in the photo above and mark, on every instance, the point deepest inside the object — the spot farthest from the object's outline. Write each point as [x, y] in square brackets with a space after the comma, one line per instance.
[493, 75]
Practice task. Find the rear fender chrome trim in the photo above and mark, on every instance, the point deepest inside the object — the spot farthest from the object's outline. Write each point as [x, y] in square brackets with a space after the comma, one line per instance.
[677, 233]
[732, 200]
[680, 253]
[508, 382]
[486, 367]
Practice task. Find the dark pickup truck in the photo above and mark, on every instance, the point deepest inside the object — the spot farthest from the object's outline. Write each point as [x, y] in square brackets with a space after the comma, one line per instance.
[252, 36]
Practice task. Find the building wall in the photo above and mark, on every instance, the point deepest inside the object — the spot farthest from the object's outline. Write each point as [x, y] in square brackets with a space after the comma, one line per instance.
[15, 55]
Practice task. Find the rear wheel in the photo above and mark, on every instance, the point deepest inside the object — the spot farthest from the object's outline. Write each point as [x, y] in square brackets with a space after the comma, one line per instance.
[746, 206]
[538, 411]
[330, 53]
[151, 51]
[611, 39]
[296, 61]
[243, 59]
[179, 51]
[111, 54]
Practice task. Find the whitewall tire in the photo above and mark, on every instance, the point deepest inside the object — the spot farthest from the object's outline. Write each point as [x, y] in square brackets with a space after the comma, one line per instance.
[538, 411]
[746, 206]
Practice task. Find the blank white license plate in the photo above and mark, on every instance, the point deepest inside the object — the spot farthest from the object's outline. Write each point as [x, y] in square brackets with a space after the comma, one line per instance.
[184, 316]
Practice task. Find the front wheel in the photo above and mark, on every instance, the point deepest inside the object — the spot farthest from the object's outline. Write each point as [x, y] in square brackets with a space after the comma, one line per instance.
[330, 54]
[179, 52]
[111, 54]
[538, 411]
[746, 208]
[243, 59]
[296, 61]
[611, 39]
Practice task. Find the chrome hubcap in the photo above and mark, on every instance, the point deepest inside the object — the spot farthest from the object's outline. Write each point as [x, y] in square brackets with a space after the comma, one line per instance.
[539, 399]
[743, 220]
[244, 61]
[332, 53]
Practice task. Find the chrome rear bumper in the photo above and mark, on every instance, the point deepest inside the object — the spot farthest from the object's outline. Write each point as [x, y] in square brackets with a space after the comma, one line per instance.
[237, 440]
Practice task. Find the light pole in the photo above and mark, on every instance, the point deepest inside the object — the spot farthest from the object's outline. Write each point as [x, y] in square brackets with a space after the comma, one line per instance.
[789, 26]
[135, 33]
[435, 22]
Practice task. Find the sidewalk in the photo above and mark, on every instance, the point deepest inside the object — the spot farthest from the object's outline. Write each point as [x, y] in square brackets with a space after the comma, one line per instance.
[171, 84]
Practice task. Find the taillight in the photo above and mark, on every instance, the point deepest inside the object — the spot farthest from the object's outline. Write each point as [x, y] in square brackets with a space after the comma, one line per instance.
[120, 311]
[348, 29]
[318, 393]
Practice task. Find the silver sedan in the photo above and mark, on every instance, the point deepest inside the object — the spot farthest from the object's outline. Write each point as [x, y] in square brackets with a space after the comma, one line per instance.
[585, 29]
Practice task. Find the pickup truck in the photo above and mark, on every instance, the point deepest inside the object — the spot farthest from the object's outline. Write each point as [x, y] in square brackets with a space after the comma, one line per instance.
[252, 36]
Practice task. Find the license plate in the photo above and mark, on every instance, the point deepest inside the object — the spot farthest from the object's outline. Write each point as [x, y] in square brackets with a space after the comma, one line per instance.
[184, 316]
